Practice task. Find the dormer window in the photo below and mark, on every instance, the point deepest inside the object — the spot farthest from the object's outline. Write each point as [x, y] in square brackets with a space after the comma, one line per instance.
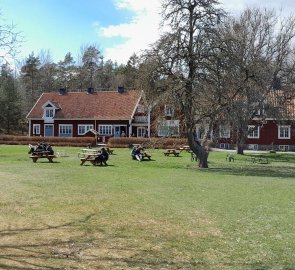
[169, 110]
[49, 110]
[140, 108]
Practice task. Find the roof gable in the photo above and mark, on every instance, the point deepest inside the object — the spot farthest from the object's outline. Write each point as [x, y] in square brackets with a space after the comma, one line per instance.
[107, 105]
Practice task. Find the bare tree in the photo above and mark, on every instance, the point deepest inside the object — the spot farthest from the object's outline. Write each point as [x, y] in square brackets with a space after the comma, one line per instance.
[259, 54]
[180, 63]
[10, 40]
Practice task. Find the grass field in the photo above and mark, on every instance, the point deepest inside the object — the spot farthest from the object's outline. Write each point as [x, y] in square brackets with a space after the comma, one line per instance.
[159, 214]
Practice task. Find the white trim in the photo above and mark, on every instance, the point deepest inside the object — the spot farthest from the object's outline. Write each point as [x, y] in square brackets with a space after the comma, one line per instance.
[168, 110]
[30, 125]
[44, 106]
[284, 148]
[104, 134]
[258, 132]
[86, 130]
[34, 106]
[137, 130]
[39, 128]
[135, 108]
[70, 125]
[226, 129]
[289, 132]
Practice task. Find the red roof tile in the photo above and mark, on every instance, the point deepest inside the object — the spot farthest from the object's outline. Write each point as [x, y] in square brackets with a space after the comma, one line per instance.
[109, 105]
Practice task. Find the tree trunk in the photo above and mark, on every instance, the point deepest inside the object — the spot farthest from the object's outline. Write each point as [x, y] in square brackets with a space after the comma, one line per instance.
[240, 149]
[240, 142]
[200, 151]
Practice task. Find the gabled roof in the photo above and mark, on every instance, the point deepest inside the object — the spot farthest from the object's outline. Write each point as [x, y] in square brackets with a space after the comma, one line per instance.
[108, 105]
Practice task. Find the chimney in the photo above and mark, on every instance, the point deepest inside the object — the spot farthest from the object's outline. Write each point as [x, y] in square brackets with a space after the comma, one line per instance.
[121, 89]
[62, 91]
[90, 90]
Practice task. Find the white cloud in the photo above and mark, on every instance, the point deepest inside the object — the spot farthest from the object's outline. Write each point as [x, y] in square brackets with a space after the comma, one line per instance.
[139, 33]
[143, 29]
[284, 7]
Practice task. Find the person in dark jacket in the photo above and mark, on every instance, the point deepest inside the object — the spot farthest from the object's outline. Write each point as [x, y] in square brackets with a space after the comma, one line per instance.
[103, 157]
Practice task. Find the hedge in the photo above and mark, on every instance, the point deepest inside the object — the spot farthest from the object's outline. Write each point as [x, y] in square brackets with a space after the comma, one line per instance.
[54, 141]
[162, 143]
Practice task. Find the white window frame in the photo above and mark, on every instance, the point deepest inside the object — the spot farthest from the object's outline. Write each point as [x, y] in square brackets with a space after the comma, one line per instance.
[63, 128]
[140, 108]
[285, 127]
[36, 129]
[252, 135]
[49, 112]
[253, 146]
[105, 130]
[224, 146]
[141, 131]
[224, 131]
[169, 110]
[284, 148]
[85, 127]
[168, 128]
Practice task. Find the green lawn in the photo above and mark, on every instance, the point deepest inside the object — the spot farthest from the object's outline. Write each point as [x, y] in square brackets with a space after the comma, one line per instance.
[159, 214]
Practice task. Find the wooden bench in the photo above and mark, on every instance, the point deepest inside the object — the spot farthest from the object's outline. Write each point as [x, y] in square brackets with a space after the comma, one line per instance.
[49, 157]
[174, 152]
[90, 159]
[146, 156]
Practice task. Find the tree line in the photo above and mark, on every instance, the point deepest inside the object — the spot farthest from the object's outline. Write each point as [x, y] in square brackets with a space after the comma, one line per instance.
[19, 90]
[210, 65]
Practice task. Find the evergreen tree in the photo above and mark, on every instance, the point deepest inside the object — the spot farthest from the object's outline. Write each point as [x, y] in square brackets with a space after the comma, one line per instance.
[10, 105]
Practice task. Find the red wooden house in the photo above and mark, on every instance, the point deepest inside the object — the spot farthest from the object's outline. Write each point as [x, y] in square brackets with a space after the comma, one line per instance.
[104, 113]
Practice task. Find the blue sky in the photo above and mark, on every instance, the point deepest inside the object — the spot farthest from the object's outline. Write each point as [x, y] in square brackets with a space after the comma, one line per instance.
[118, 27]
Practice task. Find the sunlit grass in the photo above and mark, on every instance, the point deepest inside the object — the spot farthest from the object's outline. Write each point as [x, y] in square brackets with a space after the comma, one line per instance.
[159, 214]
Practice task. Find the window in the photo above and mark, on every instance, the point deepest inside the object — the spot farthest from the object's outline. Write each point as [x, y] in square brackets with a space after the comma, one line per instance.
[36, 129]
[140, 108]
[284, 148]
[201, 131]
[253, 132]
[168, 128]
[284, 132]
[169, 110]
[49, 113]
[224, 131]
[82, 129]
[65, 130]
[253, 146]
[224, 146]
[105, 129]
[141, 131]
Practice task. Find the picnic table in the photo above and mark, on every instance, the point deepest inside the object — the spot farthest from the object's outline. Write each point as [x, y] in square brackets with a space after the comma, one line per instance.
[88, 155]
[174, 152]
[143, 154]
[185, 148]
[42, 154]
[104, 145]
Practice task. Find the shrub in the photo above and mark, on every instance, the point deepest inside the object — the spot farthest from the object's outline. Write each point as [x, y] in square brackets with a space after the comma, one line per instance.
[58, 141]
[162, 143]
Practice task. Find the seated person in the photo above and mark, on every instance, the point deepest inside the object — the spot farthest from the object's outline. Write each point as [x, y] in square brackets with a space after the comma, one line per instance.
[137, 153]
[102, 157]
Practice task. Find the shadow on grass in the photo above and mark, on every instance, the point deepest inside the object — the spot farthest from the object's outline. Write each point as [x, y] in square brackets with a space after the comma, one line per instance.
[27, 251]
[263, 170]
[94, 247]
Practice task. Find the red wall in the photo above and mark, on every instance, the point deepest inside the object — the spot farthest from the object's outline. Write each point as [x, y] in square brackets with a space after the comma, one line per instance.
[75, 124]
